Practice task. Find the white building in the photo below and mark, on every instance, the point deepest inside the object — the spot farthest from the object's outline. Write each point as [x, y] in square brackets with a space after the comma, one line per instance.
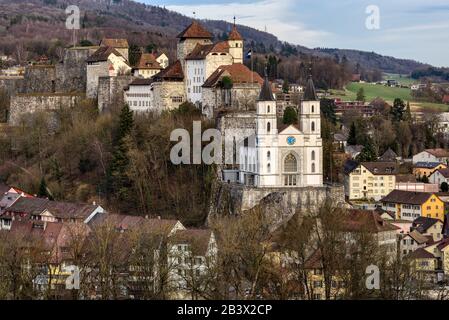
[139, 95]
[432, 155]
[439, 176]
[290, 157]
[147, 67]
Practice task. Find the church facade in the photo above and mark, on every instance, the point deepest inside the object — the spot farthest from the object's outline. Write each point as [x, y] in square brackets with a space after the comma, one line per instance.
[284, 156]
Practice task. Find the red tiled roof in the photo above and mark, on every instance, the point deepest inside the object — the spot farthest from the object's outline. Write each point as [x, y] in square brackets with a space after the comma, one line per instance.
[365, 220]
[238, 72]
[173, 72]
[201, 51]
[148, 61]
[102, 54]
[439, 152]
[195, 30]
[234, 35]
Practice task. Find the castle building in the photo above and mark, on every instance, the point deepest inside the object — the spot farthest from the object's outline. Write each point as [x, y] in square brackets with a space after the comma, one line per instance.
[147, 67]
[287, 156]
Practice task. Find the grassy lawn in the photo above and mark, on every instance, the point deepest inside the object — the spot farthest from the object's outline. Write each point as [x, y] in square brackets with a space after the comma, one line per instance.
[373, 91]
[402, 79]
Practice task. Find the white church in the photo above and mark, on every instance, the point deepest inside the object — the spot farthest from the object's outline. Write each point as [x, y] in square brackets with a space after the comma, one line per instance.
[274, 157]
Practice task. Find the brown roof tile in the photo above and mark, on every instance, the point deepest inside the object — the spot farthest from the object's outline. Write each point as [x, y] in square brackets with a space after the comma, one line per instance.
[365, 220]
[202, 50]
[406, 197]
[238, 72]
[115, 43]
[439, 153]
[381, 168]
[173, 72]
[198, 239]
[234, 35]
[102, 54]
[148, 61]
[420, 254]
[195, 30]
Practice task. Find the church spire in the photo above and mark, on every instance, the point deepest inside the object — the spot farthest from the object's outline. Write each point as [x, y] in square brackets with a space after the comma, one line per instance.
[266, 94]
[310, 92]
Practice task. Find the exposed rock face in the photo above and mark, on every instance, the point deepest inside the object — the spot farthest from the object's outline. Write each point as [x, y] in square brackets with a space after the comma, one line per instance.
[281, 203]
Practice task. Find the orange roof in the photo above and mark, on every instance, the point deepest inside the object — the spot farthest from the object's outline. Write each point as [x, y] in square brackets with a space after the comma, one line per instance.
[115, 43]
[148, 61]
[238, 72]
[201, 51]
[195, 30]
[173, 72]
[234, 35]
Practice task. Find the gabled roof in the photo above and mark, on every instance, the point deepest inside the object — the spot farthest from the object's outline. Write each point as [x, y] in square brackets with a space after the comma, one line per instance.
[148, 61]
[381, 168]
[198, 239]
[420, 254]
[127, 222]
[234, 35]
[310, 92]
[444, 172]
[202, 50]
[64, 210]
[102, 54]
[388, 155]
[418, 237]
[266, 93]
[195, 30]
[427, 165]
[357, 220]
[439, 152]
[141, 82]
[422, 224]
[407, 197]
[171, 73]
[238, 73]
[115, 43]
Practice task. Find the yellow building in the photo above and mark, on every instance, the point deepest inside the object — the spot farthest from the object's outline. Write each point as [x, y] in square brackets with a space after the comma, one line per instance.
[409, 205]
[370, 180]
[422, 169]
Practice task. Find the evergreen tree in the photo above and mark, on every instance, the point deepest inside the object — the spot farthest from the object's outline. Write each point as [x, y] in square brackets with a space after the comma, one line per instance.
[118, 182]
[398, 110]
[285, 86]
[328, 110]
[425, 179]
[43, 190]
[290, 116]
[408, 113]
[444, 187]
[352, 138]
[361, 95]
[368, 152]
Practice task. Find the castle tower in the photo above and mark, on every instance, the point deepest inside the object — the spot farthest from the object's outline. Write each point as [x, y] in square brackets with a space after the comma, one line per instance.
[235, 41]
[266, 136]
[310, 125]
[194, 34]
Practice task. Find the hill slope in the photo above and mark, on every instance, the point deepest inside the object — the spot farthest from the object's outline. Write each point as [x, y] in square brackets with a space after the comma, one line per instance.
[35, 19]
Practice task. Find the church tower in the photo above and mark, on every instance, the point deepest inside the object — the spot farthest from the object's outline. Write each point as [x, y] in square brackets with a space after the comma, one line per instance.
[266, 136]
[235, 41]
[310, 125]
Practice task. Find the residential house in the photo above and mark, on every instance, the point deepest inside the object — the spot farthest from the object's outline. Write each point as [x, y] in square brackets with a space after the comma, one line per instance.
[424, 263]
[408, 205]
[412, 241]
[389, 156]
[353, 151]
[9, 195]
[370, 180]
[439, 176]
[38, 209]
[121, 45]
[147, 67]
[429, 227]
[425, 169]
[432, 155]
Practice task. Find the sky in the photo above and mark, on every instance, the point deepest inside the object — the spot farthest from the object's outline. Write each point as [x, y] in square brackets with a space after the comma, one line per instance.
[410, 29]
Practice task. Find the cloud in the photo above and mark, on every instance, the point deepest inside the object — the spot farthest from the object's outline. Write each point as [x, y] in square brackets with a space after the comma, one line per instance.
[277, 16]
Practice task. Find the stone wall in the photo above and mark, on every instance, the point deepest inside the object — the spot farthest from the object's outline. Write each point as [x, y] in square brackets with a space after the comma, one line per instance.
[164, 94]
[71, 74]
[110, 91]
[40, 79]
[12, 85]
[29, 103]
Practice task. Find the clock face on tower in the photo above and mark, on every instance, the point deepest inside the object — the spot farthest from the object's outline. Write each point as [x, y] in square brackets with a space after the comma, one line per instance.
[291, 140]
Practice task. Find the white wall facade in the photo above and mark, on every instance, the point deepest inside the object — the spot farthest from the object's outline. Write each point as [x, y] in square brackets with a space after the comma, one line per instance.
[139, 98]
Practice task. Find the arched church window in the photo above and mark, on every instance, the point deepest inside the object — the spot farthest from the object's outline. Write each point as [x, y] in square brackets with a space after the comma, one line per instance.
[268, 109]
[268, 155]
[313, 109]
[313, 126]
[313, 155]
[290, 163]
[269, 168]
[268, 127]
[313, 167]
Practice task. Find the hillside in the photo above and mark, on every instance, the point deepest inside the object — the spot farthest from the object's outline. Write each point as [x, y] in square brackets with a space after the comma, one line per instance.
[36, 19]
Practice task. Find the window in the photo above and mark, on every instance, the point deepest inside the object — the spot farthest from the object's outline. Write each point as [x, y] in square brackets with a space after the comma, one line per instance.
[268, 127]
[313, 126]
[290, 164]
[313, 109]
[313, 167]
[268, 155]
[313, 155]
[268, 109]
[269, 168]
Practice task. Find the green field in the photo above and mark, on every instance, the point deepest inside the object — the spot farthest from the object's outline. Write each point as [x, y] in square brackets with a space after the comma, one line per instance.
[372, 91]
[401, 79]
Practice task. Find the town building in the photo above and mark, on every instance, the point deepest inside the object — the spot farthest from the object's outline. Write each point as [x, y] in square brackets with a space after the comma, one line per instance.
[139, 96]
[407, 205]
[121, 45]
[370, 180]
[429, 227]
[290, 156]
[147, 67]
[432, 155]
[439, 176]
[425, 169]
